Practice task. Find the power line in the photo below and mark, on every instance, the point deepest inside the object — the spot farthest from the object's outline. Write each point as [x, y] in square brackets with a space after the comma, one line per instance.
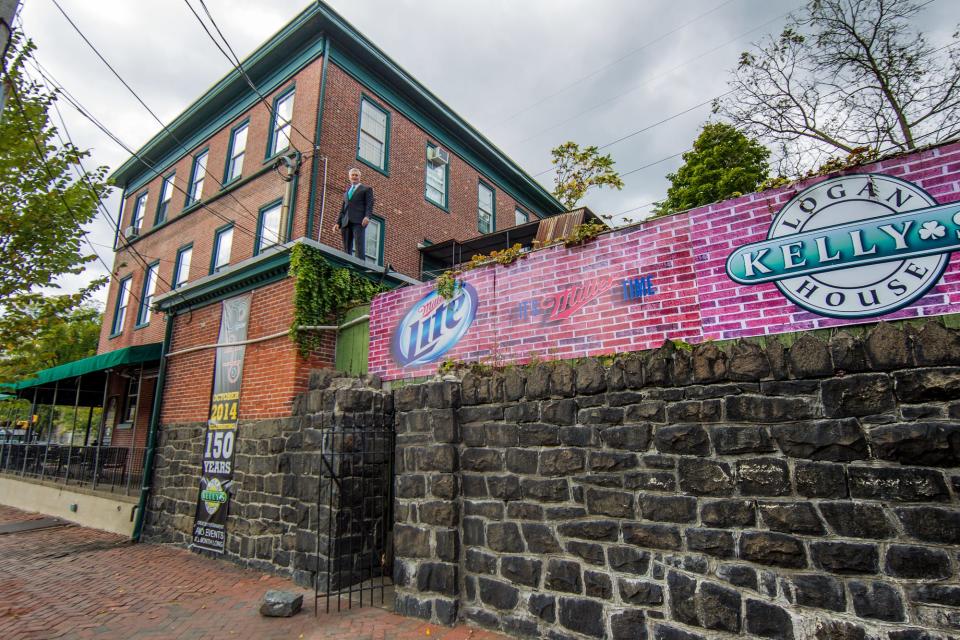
[651, 79]
[166, 129]
[613, 63]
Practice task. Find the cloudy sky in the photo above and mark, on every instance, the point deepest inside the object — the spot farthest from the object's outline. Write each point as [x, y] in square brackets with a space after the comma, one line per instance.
[528, 74]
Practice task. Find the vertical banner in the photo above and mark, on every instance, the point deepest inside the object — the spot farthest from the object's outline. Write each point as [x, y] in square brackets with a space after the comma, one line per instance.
[213, 503]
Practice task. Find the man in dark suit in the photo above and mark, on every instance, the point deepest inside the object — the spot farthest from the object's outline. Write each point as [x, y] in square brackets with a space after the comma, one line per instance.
[355, 215]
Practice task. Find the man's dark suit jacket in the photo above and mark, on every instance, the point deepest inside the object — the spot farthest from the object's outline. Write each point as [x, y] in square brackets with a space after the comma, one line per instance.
[358, 207]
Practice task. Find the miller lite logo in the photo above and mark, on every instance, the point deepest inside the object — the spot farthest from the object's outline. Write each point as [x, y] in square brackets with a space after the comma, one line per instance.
[433, 326]
[853, 247]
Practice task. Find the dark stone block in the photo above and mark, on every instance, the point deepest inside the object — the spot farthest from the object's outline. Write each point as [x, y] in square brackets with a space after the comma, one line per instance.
[763, 477]
[857, 520]
[790, 387]
[561, 462]
[633, 437]
[524, 511]
[411, 542]
[877, 600]
[521, 628]
[628, 625]
[504, 537]
[915, 634]
[498, 594]
[905, 485]
[562, 380]
[443, 486]
[473, 532]
[590, 377]
[917, 563]
[498, 434]
[928, 385]
[709, 363]
[648, 410]
[713, 542]
[848, 353]
[755, 408]
[822, 592]
[440, 513]
[539, 538]
[597, 585]
[474, 486]
[539, 435]
[521, 570]
[737, 440]
[543, 606]
[437, 576]
[839, 630]
[809, 357]
[942, 594]
[617, 504]
[441, 458]
[666, 632]
[656, 536]
[514, 382]
[590, 530]
[563, 575]
[774, 549]
[577, 436]
[935, 344]
[668, 508]
[738, 575]
[826, 440]
[522, 412]
[845, 557]
[639, 592]
[660, 462]
[768, 621]
[480, 414]
[479, 562]
[505, 487]
[686, 439]
[481, 460]
[545, 490]
[820, 480]
[483, 618]
[705, 477]
[863, 394]
[799, 517]
[582, 616]
[626, 372]
[650, 481]
[720, 608]
[911, 412]
[728, 513]
[564, 513]
[600, 416]
[446, 611]
[694, 411]
[413, 607]
[696, 563]
[747, 361]
[560, 412]
[683, 604]
[408, 398]
[612, 461]
[409, 486]
[523, 461]
[888, 348]
[628, 560]
[587, 551]
[931, 444]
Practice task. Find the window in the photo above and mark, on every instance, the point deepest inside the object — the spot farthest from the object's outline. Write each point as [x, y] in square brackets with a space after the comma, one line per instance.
[236, 152]
[120, 310]
[222, 242]
[374, 240]
[268, 227]
[195, 191]
[139, 211]
[166, 192]
[436, 182]
[129, 413]
[282, 115]
[520, 216]
[146, 298]
[373, 139]
[181, 269]
[485, 209]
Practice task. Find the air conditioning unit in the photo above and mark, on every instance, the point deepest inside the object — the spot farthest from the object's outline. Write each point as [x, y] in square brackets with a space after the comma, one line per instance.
[437, 156]
[131, 232]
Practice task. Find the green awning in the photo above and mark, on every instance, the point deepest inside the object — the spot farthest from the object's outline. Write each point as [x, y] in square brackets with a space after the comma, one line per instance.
[129, 355]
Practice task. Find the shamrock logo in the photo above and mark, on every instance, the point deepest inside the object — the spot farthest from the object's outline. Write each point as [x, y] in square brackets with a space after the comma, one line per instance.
[931, 230]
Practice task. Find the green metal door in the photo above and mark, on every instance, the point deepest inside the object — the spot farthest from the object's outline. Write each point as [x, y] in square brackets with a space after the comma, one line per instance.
[353, 342]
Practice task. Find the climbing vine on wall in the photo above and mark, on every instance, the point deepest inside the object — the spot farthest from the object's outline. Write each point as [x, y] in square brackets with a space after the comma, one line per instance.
[322, 293]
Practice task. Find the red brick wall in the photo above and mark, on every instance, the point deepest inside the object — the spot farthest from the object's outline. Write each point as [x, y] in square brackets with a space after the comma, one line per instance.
[240, 206]
[399, 198]
[273, 371]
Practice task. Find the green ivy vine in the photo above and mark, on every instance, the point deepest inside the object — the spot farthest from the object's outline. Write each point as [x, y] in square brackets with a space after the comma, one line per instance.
[322, 293]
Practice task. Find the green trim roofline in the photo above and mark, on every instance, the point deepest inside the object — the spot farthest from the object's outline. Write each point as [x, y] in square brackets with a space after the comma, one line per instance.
[270, 266]
[291, 49]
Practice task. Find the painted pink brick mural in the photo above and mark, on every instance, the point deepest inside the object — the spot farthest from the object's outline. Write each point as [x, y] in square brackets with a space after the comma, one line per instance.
[668, 278]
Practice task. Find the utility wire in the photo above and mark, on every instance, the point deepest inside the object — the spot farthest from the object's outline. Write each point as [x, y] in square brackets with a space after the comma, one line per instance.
[612, 63]
[165, 128]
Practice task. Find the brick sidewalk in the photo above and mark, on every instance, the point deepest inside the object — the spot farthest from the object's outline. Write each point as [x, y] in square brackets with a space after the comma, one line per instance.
[73, 582]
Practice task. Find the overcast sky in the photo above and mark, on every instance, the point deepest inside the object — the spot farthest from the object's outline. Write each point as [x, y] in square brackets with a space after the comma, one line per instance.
[527, 74]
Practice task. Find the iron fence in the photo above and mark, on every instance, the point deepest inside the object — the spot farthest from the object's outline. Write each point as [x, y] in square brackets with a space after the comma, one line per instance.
[113, 469]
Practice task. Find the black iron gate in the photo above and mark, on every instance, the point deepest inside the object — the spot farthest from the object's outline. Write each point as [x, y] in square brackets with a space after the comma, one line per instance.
[355, 516]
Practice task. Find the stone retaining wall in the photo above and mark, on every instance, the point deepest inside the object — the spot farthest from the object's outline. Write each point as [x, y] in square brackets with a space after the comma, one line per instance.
[808, 491]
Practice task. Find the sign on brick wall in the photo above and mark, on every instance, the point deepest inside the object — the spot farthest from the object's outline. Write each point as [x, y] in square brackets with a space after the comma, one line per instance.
[853, 248]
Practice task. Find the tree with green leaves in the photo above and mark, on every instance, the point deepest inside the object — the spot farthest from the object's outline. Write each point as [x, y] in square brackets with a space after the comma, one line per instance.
[844, 76]
[45, 200]
[40, 340]
[723, 163]
[579, 170]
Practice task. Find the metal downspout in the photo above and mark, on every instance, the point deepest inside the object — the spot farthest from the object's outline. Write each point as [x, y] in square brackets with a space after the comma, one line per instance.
[152, 435]
[311, 203]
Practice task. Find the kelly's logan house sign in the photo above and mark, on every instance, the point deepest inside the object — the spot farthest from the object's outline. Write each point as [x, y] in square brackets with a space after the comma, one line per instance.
[846, 250]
